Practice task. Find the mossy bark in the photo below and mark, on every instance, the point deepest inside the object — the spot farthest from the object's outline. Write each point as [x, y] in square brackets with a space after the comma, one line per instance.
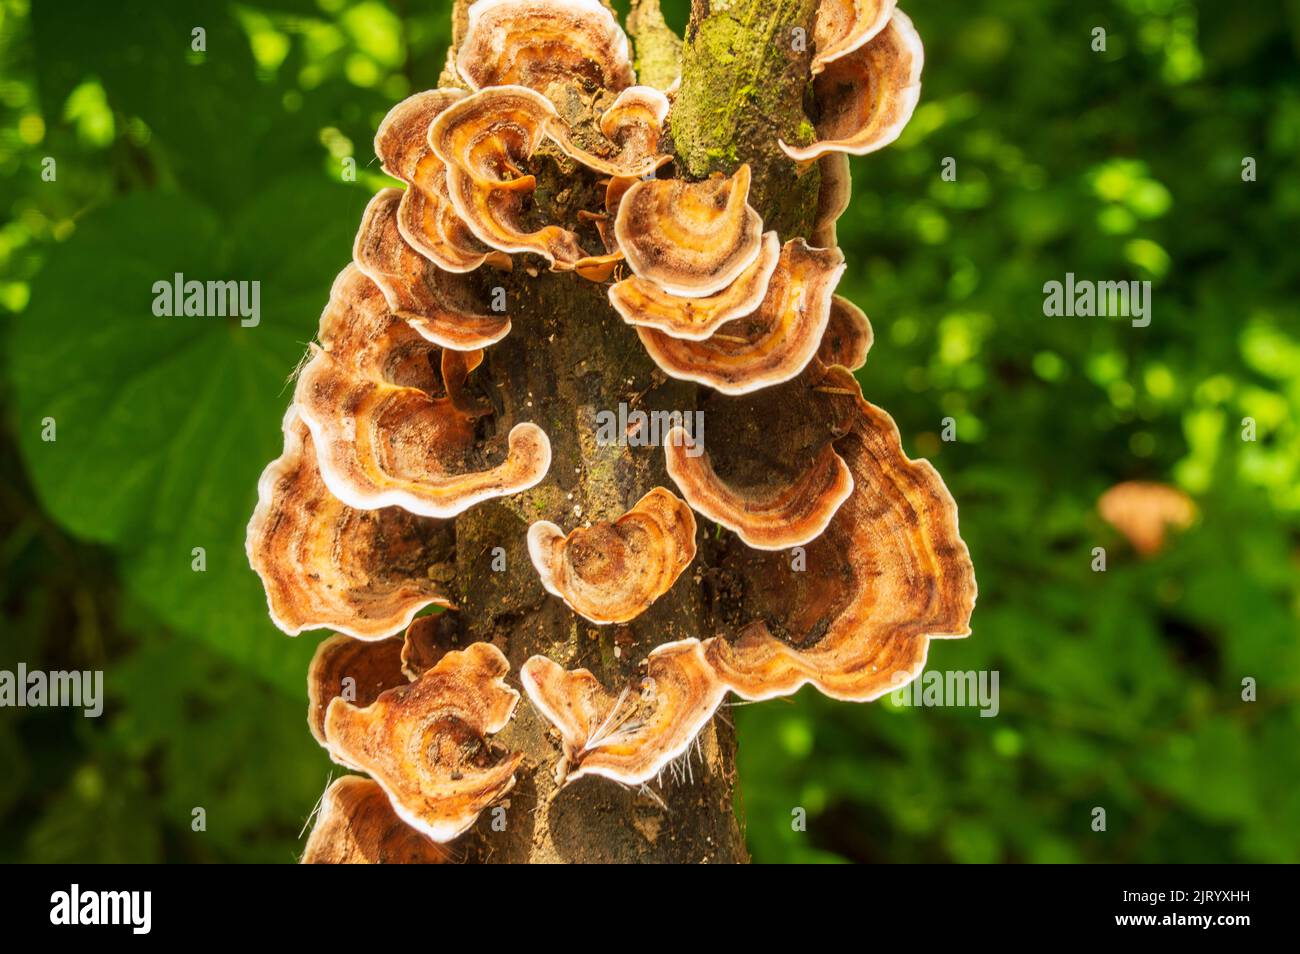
[658, 48]
[745, 69]
[569, 357]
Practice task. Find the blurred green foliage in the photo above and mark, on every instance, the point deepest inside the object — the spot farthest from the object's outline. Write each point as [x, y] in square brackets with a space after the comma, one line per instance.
[1119, 689]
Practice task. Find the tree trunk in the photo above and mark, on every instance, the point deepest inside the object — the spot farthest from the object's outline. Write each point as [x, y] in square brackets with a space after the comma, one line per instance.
[569, 357]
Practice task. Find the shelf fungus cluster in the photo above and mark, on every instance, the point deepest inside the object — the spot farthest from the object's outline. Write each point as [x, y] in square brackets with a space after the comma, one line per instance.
[816, 551]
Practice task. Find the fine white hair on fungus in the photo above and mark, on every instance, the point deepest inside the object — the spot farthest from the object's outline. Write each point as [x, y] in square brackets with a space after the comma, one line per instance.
[632, 737]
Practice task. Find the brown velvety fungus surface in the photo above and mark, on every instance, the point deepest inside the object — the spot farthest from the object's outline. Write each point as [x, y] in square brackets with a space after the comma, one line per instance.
[612, 572]
[427, 743]
[355, 825]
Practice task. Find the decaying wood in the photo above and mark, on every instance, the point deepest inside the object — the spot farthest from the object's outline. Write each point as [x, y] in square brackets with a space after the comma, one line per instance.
[569, 357]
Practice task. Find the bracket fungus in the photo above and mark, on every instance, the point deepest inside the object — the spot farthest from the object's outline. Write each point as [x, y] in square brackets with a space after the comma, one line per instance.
[535, 42]
[426, 743]
[356, 825]
[437, 303]
[774, 517]
[612, 572]
[843, 26]
[543, 174]
[771, 344]
[401, 140]
[894, 574]
[833, 195]
[631, 737]
[382, 439]
[426, 218]
[354, 669]
[325, 564]
[484, 139]
[641, 302]
[631, 127]
[690, 238]
[848, 336]
[867, 96]
[423, 645]
[361, 670]
[386, 445]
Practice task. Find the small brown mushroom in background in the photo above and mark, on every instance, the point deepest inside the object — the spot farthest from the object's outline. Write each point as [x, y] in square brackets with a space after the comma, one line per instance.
[771, 344]
[1144, 512]
[632, 737]
[774, 517]
[613, 572]
[692, 239]
[325, 564]
[426, 743]
[867, 96]
[356, 825]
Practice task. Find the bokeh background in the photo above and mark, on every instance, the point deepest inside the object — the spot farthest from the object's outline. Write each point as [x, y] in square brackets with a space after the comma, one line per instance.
[1119, 689]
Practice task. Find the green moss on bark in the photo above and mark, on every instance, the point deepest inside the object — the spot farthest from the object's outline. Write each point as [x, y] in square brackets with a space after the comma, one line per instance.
[745, 69]
[658, 48]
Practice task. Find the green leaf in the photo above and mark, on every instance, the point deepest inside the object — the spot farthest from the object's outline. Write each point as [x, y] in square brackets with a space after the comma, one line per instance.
[197, 104]
[163, 424]
[240, 752]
